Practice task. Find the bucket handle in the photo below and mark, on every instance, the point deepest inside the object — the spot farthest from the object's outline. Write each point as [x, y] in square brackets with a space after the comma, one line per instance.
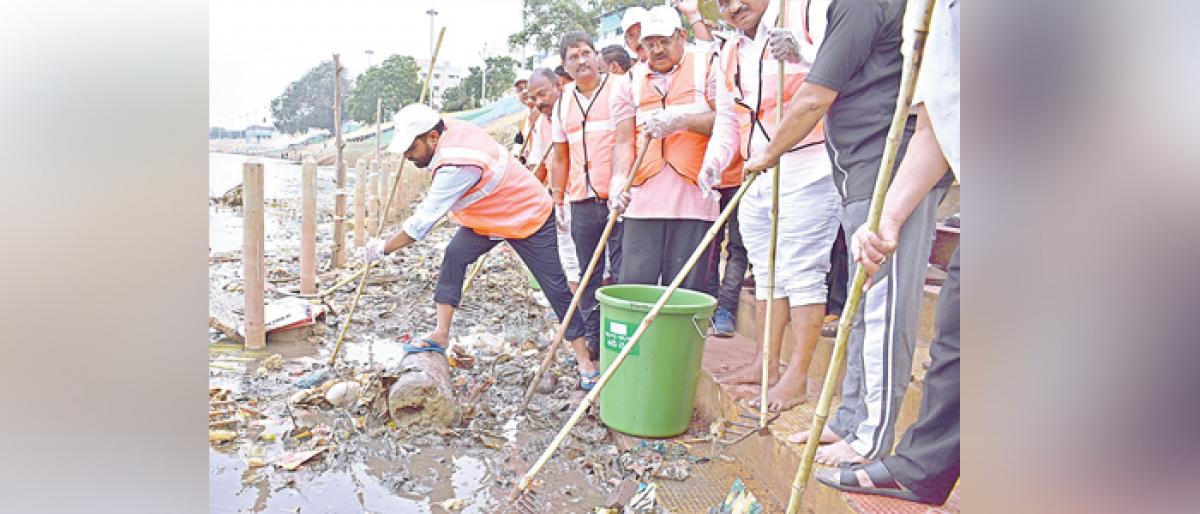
[703, 333]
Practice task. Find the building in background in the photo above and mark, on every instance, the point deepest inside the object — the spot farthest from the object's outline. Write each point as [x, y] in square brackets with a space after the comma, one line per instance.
[445, 76]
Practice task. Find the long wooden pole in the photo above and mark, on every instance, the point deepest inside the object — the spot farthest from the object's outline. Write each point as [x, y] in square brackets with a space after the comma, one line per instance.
[308, 225]
[771, 247]
[366, 269]
[339, 196]
[253, 265]
[360, 202]
[590, 399]
[908, 81]
[597, 254]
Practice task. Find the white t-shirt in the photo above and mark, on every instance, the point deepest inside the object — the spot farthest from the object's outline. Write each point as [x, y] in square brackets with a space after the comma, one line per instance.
[938, 85]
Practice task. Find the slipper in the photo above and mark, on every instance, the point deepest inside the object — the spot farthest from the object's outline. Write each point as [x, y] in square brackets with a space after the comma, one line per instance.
[426, 345]
[884, 484]
[588, 379]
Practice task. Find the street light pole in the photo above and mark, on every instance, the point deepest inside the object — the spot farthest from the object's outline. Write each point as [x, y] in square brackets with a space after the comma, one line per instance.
[432, 13]
[483, 84]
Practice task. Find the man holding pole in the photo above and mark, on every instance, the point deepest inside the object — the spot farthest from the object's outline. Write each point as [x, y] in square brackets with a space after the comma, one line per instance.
[925, 466]
[668, 211]
[809, 209]
[853, 85]
[593, 141]
[494, 197]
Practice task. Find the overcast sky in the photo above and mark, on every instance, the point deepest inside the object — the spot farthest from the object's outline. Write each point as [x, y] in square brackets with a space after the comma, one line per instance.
[256, 47]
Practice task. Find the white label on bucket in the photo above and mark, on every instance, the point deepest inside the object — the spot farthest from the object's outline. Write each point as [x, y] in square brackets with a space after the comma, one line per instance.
[617, 335]
[617, 328]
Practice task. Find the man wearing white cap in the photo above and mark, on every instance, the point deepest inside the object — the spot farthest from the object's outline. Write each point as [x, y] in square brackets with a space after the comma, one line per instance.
[631, 27]
[495, 198]
[668, 211]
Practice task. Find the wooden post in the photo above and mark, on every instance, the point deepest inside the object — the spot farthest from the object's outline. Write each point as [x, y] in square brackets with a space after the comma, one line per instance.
[339, 205]
[384, 179]
[360, 206]
[378, 121]
[395, 208]
[253, 265]
[372, 196]
[308, 226]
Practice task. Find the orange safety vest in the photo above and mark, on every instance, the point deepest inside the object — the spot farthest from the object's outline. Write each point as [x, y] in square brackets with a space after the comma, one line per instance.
[591, 137]
[507, 201]
[760, 118]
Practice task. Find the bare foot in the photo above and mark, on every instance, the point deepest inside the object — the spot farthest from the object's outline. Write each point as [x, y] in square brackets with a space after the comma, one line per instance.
[748, 374]
[790, 391]
[827, 436]
[837, 453]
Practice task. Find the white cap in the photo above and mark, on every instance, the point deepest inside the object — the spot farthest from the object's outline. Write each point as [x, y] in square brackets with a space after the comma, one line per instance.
[412, 121]
[662, 20]
[633, 16]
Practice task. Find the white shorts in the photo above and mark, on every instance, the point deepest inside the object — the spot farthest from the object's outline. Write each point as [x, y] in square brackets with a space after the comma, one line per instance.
[810, 211]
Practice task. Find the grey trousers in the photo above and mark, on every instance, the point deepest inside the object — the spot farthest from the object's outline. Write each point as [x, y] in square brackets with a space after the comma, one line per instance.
[588, 218]
[726, 287]
[884, 334]
[658, 248]
[927, 458]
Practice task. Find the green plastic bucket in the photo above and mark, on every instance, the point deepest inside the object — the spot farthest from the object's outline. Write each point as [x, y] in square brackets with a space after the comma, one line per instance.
[652, 393]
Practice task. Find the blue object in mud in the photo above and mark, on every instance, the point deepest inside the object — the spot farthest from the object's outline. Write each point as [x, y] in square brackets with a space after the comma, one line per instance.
[312, 379]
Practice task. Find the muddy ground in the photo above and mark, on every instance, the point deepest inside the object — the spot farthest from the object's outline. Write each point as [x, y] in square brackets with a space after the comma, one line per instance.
[360, 462]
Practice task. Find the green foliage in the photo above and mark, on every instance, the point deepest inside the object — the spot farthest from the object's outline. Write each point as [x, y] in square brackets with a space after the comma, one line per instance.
[501, 74]
[396, 80]
[308, 101]
[545, 21]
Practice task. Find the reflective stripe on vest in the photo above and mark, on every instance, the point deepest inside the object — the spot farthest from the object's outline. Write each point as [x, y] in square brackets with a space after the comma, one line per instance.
[506, 202]
[591, 137]
[759, 119]
[683, 150]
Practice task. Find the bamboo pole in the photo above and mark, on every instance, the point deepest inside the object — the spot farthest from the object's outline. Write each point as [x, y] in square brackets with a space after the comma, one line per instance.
[253, 265]
[378, 126]
[529, 133]
[366, 269]
[771, 246]
[908, 81]
[590, 399]
[372, 195]
[597, 254]
[308, 225]
[360, 207]
[474, 271]
[339, 195]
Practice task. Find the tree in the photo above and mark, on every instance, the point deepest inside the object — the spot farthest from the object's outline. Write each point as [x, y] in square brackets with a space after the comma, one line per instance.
[501, 73]
[308, 102]
[545, 21]
[396, 80]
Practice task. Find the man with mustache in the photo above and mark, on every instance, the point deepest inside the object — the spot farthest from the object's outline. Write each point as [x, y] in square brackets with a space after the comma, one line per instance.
[593, 142]
[544, 91]
[668, 212]
[852, 87]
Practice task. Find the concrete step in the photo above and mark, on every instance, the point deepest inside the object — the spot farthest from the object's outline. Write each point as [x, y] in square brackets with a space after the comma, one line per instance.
[771, 460]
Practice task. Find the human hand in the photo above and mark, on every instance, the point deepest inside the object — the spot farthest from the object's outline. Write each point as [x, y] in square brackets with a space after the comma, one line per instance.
[373, 251]
[760, 163]
[662, 122]
[871, 249]
[708, 178]
[618, 195]
[783, 45]
[690, 9]
[562, 218]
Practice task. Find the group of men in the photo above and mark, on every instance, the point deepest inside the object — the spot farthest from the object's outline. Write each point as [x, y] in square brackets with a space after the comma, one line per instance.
[694, 117]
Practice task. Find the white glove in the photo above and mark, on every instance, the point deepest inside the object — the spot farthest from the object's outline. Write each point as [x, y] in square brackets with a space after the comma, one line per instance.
[783, 45]
[562, 218]
[618, 197]
[709, 178]
[687, 8]
[662, 122]
[373, 250]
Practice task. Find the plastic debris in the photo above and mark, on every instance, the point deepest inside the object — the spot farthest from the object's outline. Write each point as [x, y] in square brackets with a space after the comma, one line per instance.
[292, 460]
[739, 501]
[221, 436]
[313, 378]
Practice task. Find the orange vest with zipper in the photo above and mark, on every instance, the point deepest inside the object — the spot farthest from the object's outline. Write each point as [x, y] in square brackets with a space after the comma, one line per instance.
[591, 137]
[507, 202]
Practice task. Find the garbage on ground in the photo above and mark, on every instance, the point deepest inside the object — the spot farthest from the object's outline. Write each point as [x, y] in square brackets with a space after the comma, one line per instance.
[292, 460]
[221, 436]
[739, 501]
[659, 459]
[312, 379]
[644, 500]
[289, 313]
[454, 504]
[342, 394]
